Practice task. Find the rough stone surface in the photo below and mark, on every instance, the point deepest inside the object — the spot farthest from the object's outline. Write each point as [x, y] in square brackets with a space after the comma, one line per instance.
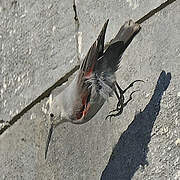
[142, 143]
[36, 49]
[37, 42]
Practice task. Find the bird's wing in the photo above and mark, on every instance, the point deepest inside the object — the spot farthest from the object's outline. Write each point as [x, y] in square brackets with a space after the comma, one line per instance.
[85, 72]
[94, 53]
[103, 64]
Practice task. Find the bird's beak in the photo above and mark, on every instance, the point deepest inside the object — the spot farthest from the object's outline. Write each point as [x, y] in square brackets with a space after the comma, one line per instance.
[49, 138]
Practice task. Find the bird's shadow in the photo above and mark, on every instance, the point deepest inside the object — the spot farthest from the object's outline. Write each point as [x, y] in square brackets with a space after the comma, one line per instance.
[130, 153]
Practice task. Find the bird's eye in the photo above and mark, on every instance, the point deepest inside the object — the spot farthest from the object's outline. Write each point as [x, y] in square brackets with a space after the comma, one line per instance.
[51, 115]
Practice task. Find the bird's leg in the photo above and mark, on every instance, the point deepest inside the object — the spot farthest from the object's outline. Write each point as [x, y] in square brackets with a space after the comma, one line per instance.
[120, 105]
[121, 92]
[120, 109]
[131, 85]
[130, 98]
[119, 97]
[78, 35]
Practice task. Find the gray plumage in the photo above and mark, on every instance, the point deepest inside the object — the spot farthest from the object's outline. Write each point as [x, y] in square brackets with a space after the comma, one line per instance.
[95, 81]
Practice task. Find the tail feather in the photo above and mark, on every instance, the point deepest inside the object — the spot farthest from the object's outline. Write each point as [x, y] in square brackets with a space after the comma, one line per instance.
[110, 60]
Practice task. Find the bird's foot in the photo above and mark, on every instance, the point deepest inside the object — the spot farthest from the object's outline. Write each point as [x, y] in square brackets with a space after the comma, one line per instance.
[131, 85]
[120, 107]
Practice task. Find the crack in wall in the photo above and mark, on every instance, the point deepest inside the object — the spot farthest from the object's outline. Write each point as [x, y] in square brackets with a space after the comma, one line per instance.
[154, 11]
[65, 78]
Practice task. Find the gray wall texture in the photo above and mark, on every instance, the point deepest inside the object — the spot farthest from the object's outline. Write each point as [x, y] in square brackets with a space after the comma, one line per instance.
[37, 54]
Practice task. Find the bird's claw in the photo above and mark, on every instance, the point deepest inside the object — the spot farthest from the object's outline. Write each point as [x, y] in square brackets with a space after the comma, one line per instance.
[120, 106]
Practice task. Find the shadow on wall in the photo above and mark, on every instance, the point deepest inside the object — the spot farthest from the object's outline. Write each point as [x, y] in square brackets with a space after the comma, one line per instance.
[130, 152]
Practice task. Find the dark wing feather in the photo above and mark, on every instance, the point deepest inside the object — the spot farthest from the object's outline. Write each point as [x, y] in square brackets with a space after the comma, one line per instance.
[110, 60]
[94, 53]
[85, 71]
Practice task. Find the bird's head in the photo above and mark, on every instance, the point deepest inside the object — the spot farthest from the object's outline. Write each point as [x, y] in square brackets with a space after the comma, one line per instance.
[54, 116]
[54, 111]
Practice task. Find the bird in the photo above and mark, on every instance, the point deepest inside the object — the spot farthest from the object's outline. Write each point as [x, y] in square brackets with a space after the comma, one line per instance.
[95, 81]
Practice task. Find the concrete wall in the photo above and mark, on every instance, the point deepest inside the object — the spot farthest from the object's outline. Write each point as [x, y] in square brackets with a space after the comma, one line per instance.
[37, 53]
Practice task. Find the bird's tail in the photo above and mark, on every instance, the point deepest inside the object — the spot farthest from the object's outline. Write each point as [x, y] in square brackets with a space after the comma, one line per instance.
[114, 50]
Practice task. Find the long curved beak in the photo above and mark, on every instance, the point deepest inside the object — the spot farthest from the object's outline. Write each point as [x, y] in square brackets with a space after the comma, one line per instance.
[49, 138]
